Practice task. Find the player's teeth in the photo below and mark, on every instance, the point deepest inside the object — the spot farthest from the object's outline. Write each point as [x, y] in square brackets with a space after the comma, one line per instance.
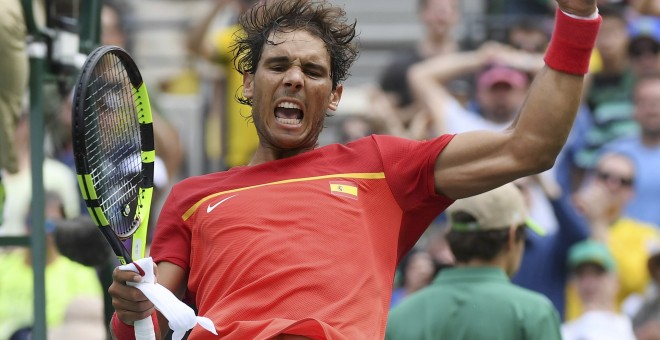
[288, 105]
[289, 121]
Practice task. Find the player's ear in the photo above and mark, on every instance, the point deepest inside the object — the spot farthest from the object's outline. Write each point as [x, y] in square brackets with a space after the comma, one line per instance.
[248, 85]
[335, 96]
[512, 237]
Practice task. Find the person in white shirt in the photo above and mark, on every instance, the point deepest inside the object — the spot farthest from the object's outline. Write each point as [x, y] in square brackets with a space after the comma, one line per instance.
[594, 274]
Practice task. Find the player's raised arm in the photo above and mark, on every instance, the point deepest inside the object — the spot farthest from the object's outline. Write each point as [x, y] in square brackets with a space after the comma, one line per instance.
[475, 162]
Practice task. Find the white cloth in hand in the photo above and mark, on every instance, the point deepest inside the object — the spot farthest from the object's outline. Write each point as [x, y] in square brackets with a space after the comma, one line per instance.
[180, 316]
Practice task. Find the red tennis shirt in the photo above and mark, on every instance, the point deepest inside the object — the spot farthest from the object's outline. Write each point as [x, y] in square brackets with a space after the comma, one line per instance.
[305, 245]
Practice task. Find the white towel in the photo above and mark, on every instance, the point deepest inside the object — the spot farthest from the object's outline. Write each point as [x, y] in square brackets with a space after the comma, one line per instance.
[181, 318]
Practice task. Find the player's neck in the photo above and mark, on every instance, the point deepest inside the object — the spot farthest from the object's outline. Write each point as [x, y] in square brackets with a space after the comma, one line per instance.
[263, 154]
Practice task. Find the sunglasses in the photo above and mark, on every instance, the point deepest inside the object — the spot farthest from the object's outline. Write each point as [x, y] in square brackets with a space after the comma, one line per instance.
[612, 178]
[643, 47]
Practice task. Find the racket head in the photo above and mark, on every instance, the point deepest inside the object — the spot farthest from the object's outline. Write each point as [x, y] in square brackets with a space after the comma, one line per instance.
[113, 147]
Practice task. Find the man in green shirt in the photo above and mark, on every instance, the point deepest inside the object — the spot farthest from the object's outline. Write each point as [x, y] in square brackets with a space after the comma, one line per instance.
[475, 299]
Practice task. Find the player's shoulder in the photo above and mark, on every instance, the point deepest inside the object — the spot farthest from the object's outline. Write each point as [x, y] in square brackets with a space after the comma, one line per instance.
[200, 184]
[191, 180]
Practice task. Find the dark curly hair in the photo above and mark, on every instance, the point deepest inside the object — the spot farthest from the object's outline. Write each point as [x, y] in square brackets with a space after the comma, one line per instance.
[318, 17]
[482, 245]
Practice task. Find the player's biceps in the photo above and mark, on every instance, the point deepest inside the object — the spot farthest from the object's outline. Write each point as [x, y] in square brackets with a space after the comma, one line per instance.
[172, 277]
[475, 162]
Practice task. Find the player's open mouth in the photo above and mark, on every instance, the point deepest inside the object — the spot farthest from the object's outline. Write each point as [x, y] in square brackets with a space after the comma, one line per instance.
[289, 113]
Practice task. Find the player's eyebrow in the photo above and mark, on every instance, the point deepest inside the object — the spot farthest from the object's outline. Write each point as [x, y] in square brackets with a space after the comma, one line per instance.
[306, 65]
[277, 60]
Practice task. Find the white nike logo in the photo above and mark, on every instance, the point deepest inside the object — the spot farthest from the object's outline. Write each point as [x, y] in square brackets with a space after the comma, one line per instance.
[211, 207]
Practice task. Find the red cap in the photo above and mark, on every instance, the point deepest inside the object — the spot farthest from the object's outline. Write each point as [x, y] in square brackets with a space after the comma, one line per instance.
[502, 74]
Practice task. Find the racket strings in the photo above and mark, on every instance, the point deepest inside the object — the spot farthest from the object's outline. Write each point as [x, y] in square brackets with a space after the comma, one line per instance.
[114, 143]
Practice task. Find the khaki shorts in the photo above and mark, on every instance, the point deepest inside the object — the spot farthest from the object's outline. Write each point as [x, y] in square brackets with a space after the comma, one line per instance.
[13, 77]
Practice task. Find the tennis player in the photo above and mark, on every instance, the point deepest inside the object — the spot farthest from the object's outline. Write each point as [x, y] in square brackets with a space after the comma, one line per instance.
[303, 242]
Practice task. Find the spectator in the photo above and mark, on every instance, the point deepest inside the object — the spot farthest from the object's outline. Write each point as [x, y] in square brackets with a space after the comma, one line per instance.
[79, 240]
[529, 35]
[396, 106]
[632, 305]
[594, 275]
[115, 30]
[436, 245]
[543, 268]
[58, 178]
[238, 137]
[353, 127]
[520, 7]
[646, 323]
[13, 84]
[417, 271]
[65, 280]
[602, 200]
[500, 89]
[500, 93]
[644, 150]
[82, 320]
[487, 238]
[608, 98]
[644, 47]
[439, 18]
[647, 7]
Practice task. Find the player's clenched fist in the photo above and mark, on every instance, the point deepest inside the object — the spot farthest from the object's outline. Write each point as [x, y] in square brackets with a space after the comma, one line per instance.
[129, 302]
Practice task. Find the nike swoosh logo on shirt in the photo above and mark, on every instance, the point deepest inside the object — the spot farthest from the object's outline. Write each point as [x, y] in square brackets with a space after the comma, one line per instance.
[211, 207]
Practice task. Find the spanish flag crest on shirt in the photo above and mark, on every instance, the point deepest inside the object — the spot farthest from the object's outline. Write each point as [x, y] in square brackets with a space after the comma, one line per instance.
[345, 189]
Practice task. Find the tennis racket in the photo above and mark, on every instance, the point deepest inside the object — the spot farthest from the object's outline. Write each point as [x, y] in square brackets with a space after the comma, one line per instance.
[114, 153]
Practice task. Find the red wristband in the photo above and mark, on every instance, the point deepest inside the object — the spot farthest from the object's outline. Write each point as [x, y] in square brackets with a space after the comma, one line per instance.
[123, 331]
[572, 43]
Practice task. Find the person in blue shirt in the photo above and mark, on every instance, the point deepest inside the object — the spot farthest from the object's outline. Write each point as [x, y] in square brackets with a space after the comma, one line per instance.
[543, 268]
[644, 149]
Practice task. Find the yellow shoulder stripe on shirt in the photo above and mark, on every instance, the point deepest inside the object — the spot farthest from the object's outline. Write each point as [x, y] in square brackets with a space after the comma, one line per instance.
[372, 175]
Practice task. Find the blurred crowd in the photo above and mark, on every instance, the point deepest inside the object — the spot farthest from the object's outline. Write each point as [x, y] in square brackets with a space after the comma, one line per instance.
[603, 190]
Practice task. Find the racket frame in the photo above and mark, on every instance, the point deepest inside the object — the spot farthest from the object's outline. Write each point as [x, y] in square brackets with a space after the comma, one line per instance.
[147, 154]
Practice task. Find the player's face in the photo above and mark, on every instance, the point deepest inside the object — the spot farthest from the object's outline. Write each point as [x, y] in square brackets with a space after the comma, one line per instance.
[291, 91]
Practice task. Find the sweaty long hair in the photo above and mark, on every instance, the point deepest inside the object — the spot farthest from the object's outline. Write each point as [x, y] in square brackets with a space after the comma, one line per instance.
[317, 17]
